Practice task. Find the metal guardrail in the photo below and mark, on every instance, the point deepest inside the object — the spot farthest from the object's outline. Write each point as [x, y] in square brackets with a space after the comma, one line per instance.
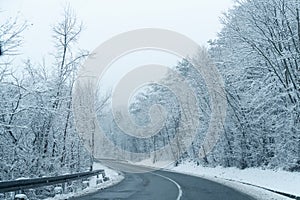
[11, 186]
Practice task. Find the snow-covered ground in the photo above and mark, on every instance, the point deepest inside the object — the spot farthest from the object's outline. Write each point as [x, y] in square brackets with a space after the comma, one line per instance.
[114, 178]
[283, 181]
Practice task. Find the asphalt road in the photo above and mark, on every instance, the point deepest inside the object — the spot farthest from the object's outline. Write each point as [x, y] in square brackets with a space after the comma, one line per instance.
[163, 185]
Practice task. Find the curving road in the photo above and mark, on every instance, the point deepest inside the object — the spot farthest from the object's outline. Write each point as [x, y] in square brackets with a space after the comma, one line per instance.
[163, 185]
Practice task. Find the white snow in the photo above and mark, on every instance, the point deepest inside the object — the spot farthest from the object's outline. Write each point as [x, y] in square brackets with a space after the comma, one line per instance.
[21, 196]
[283, 181]
[149, 163]
[114, 178]
[22, 178]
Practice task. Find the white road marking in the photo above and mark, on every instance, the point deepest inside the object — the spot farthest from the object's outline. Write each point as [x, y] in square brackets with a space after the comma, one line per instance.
[178, 186]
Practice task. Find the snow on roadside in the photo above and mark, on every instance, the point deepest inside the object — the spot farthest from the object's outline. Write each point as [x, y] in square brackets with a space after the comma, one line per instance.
[149, 163]
[283, 181]
[114, 178]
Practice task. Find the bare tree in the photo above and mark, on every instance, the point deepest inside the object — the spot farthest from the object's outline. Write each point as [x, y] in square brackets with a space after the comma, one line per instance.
[10, 36]
[66, 34]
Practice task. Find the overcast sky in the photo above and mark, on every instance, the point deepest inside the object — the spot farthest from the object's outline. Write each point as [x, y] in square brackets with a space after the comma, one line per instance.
[197, 19]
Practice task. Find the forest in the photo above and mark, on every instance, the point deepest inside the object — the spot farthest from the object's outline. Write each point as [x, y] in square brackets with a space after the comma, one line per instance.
[257, 52]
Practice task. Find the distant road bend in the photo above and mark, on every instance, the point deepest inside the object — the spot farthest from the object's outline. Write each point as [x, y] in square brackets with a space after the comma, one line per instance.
[163, 185]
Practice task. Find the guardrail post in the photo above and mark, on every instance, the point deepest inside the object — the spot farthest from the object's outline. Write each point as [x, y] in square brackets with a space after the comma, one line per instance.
[58, 190]
[85, 184]
[63, 187]
[69, 187]
[12, 195]
[77, 185]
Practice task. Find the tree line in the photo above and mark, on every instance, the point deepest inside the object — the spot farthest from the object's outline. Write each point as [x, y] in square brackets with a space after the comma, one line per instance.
[37, 132]
[257, 53]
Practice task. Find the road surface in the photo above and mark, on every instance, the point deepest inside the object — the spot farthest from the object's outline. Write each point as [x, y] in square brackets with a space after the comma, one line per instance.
[163, 185]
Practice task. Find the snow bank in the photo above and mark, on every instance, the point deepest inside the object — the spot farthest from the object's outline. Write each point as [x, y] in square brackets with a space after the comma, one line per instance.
[283, 181]
[21, 196]
[114, 178]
